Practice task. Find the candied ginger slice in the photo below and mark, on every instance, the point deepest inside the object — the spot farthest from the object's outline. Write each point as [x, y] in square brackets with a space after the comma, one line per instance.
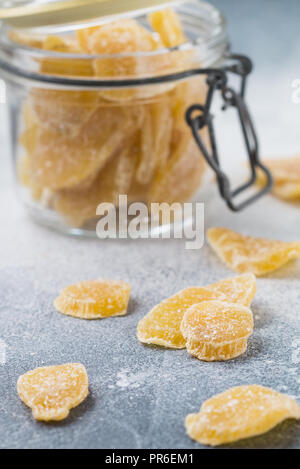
[26, 39]
[289, 191]
[65, 65]
[94, 299]
[247, 254]
[63, 112]
[285, 169]
[83, 35]
[163, 126]
[60, 44]
[168, 25]
[240, 289]
[79, 204]
[63, 162]
[125, 36]
[146, 165]
[23, 170]
[181, 176]
[161, 326]
[215, 330]
[240, 412]
[184, 95]
[118, 37]
[286, 175]
[126, 168]
[156, 135]
[52, 391]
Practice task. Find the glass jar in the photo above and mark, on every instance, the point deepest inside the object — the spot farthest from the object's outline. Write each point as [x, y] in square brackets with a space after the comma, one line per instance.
[90, 123]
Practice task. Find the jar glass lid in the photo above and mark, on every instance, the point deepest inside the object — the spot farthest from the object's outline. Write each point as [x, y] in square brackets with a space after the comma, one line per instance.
[72, 13]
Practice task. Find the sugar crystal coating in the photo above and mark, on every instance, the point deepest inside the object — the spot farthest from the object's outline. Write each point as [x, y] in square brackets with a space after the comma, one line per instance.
[179, 179]
[240, 412]
[248, 254]
[161, 326]
[53, 390]
[286, 175]
[94, 299]
[215, 330]
[167, 23]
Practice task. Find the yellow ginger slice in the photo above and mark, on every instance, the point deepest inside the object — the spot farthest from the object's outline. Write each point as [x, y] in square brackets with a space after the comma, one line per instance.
[161, 326]
[247, 254]
[60, 44]
[58, 161]
[182, 175]
[83, 37]
[23, 175]
[156, 135]
[285, 169]
[78, 205]
[168, 25]
[23, 170]
[286, 174]
[126, 168]
[63, 65]
[215, 330]
[114, 39]
[240, 289]
[240, 412]
[52, 391]
[147, 162]
[163, 126]
[289, 191]
[35, 41]
[94, 299]
[184, 95]
[64, 111]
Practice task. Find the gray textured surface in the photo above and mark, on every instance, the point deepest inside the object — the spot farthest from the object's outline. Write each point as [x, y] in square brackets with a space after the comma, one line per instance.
[139, 396]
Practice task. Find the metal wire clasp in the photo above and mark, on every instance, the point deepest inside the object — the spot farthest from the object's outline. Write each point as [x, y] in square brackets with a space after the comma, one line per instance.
[198, 117]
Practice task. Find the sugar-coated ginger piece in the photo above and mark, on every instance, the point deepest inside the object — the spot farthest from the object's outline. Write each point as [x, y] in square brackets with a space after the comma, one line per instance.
[24, 178]
[155, 141]
[116, 38]
[161, 326]
[117, 42]
[182, 175]
[285, 169]
[168, 25]
[61, 65]
[23, 170]
[289, 191]
[126, 167]
[78, 205]
[286, 174]
[247, 254]
[64, 112]
[94, 299]
[20, 37]
[215, 330]
[147, 161]
[185, 94]
[83, 36]
[240, 289]
[60, 44]
[238, 413]
[60, 161]
[163, 126]
[52, 391]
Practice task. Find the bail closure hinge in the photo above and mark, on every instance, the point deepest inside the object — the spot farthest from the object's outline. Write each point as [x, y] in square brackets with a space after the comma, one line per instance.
[199, 116]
